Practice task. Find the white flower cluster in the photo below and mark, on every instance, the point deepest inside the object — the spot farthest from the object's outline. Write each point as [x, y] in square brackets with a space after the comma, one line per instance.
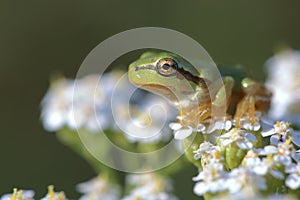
[210, 126]
[98, 104]
[242, 138]
[215, 178]
[149, 187]
[54, 195]
[283, 80]
[99, 188]
[281, 132]
[279, 160]
[65, 106]
[19, 195]
[29, 195]
[206, 127]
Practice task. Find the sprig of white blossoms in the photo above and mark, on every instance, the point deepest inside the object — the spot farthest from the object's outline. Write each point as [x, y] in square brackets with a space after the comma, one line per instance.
[211, 180]
[214, 179]
[249, 192]
[210, 126]
[149, 186]
[258, 163]
[238, 136]
[19, 195]
[29, 195]
[206, 127]
[99, 188]
[52, 195]
[281, 132]
[58, 109]
[86, 103]
[208, 153]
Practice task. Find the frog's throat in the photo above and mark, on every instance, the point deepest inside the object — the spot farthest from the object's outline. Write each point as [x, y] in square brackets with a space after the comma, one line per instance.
[163, 91]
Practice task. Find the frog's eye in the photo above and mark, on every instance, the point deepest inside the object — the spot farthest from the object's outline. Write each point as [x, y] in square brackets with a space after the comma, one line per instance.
[167, 66]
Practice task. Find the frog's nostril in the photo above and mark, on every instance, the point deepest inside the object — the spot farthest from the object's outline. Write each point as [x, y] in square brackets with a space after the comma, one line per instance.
[136, 68]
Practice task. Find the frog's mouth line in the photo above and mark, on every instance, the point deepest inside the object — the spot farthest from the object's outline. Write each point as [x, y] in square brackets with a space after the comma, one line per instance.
[158, 87]
[152, 67]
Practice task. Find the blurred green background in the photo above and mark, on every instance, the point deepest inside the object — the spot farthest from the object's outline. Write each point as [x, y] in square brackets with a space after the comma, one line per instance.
[38, 38]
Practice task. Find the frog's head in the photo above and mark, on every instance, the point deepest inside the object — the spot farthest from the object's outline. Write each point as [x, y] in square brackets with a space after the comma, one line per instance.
[165, 74]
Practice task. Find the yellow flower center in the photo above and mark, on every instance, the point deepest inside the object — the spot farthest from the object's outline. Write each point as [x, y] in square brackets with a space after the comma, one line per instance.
[51, 191]
[288, 142]
[19, 194]
[14, 195]
[269, 158]
[217, 155]
[214, 172]
[61, 196]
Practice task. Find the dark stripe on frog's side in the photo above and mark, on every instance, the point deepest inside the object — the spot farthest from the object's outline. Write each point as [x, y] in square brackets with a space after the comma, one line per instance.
[190, 77]
[181, 73]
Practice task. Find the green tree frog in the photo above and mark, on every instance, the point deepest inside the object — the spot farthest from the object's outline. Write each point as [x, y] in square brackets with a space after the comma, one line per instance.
[194, 93]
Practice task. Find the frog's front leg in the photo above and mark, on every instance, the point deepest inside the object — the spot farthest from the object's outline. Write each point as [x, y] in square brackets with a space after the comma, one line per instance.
[214, 100]
[256, 97]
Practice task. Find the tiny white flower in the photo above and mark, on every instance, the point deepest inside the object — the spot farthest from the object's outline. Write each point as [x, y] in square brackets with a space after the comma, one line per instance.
[19, 195]
[251, 159]
[208, 153]
[54, 195]
[149, 187]
[181, 132]
[269, 149]
[281, 132]
[98, 189]
[267, 165]
[249, 126]
[247, 192]
[245, 123]
[278, 128]
[211, 125]
[200, 128]
[204, 148]
[242, 177]
[218, 125]
[238, 136]
[262, 166]
[175, 126]
[211, 180]
[285, 152]
[293, 179]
